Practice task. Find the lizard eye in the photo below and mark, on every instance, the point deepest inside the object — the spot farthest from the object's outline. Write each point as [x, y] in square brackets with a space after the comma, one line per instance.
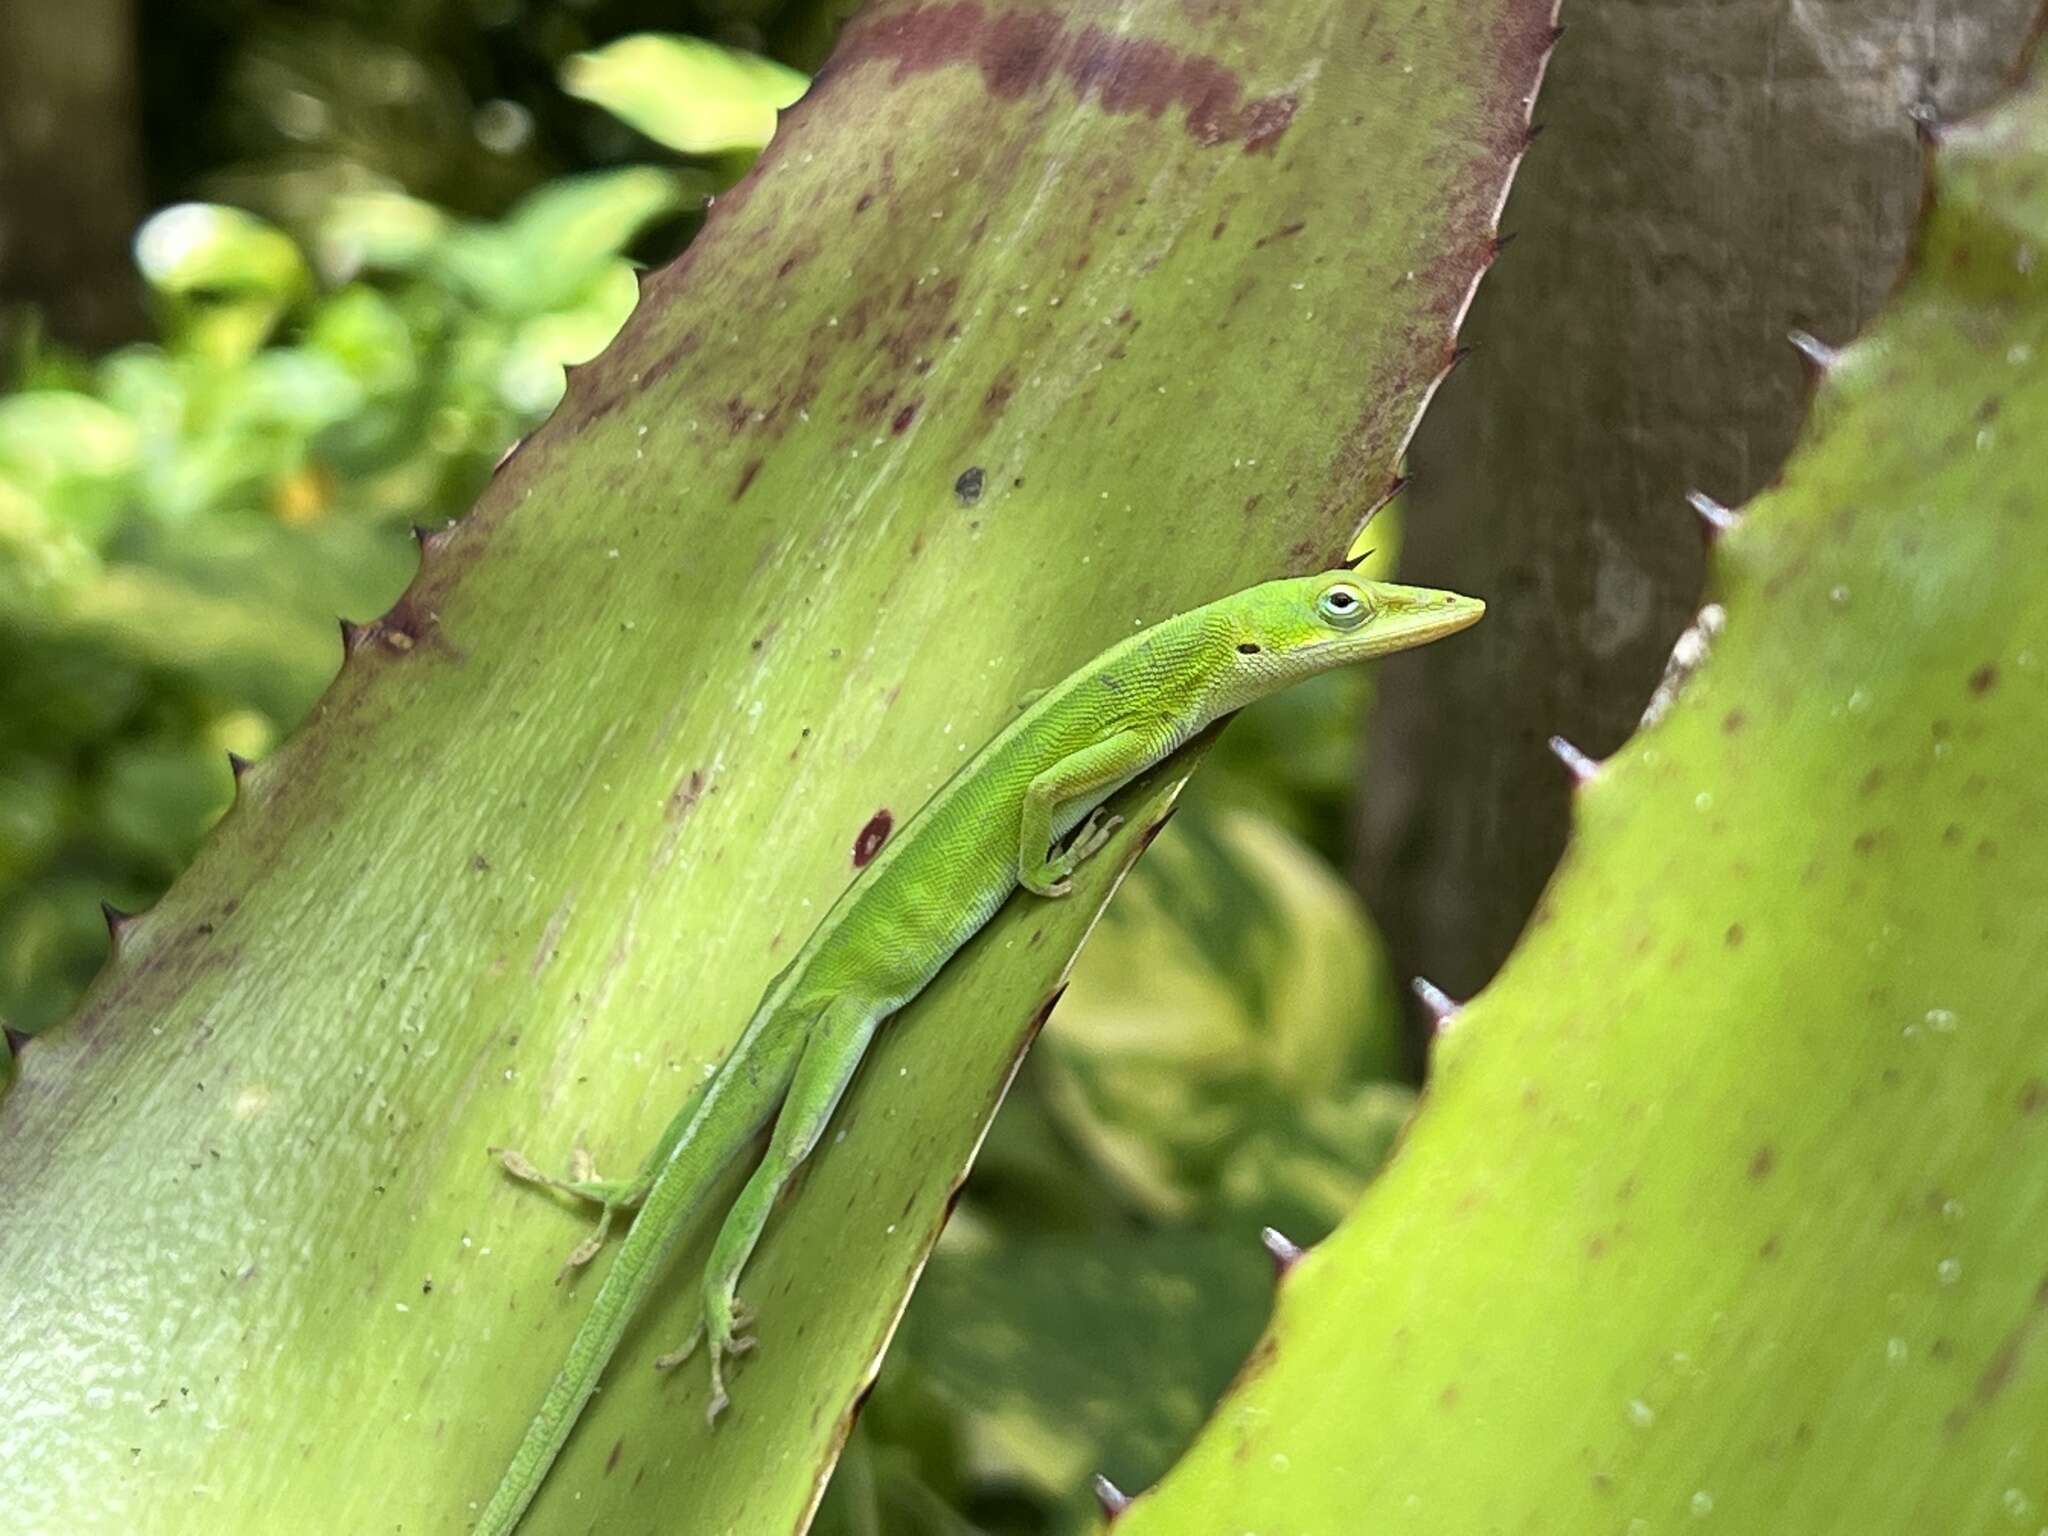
[1343, 607]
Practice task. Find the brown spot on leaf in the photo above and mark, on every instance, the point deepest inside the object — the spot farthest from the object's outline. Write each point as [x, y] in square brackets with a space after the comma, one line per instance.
[860, 1400]
[1266, 119]
[1023, 53]
[905, 417]
[1734, 936]
[1256, 1364]
[872, 837]
[612, 1460]
[1999, 1370]
[1733, 721]
[1770, 1247]
[689, 789]
[1045, 1008]
[1145, 837]
[681, 348]
[1984, 679]
[752, 468]
[1763, 1162]
[2033, 1096]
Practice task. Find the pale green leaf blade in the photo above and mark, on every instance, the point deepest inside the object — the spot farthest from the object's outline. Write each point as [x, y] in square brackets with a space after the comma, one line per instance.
[691, 95]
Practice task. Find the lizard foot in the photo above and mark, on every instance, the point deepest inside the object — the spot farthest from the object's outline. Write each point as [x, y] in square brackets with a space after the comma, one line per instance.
[1057, 877]
[728, 1328]
[1094, 836]
[590, 1247]
[610, 1196]
[676, 1357]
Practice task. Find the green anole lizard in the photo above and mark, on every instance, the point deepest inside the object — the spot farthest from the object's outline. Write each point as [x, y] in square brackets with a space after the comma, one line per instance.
[994, 826]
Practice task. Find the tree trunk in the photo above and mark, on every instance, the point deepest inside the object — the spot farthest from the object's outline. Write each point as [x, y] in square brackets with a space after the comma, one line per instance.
[70, 169]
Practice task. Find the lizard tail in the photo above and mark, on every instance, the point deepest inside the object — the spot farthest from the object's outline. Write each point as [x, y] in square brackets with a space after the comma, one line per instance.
[626, 1284]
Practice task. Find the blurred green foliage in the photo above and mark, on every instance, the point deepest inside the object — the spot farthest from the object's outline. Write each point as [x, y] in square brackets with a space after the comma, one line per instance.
[181, 521]
[732, 106]
[281, 106]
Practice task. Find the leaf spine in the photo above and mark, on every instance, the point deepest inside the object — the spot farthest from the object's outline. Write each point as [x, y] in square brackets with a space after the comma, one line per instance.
[1580, 766]
[1443, 1012]
[1285, 1250]
[1715, 518]
[1814, 350]
[1114, 1500]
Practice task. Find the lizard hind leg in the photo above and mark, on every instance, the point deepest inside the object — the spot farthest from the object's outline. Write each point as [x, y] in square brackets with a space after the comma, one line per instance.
[838, 1042]
[610, 1196]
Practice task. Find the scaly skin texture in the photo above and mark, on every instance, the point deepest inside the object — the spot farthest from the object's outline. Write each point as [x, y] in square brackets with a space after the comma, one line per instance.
[990, 829]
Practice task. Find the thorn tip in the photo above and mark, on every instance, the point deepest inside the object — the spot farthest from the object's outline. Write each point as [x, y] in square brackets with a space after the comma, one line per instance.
[1434, 998]
[1713, 515]
[117, 920]
[1814, 350]
[238, 765]
[1114, 1500]
[1285, 1250]
[1576, 762]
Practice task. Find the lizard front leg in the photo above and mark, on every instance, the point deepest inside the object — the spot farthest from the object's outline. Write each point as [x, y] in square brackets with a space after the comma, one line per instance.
[1106, 762]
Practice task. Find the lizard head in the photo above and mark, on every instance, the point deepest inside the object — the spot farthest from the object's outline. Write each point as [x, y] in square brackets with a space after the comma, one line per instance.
[1283, 631]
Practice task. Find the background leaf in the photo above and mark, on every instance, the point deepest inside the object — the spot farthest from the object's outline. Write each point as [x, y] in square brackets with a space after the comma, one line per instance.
[689, 94]
[1740, 1160]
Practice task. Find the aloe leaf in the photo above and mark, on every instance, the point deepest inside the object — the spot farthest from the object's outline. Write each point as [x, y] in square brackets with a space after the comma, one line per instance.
[1724, 1209]
[1019, 334]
